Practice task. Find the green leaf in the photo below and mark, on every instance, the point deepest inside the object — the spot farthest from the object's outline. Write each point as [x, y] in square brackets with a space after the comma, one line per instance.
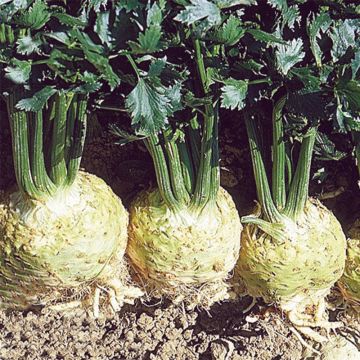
[61, 36]
[37, 101]
[154, 15]
[128, 5]
[97, 4]
[355, 64]
[230, 32]
[343, 36]
[305, 75]
[200, 10]
[105, 69]
[224, 4]
[290, 16]
[90, 83]
[289, 55]
[350, 90]
[19, 71]
[69, 20]
[278, 4]
[36, 16]
[27, 45]
[94, 54]
[265, 37]
[325, 149]
[102, 27]
[234, 94]
[319, 24]
[149, 40]
[174, 94]
[149, 107]
[157, 67]
[124, 137]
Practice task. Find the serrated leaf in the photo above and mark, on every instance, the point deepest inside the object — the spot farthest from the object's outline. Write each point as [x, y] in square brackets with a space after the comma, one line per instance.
[105, 69]
[69, 20]
[289, 55]
[19, 71]
[200, 10]
[278, 4]
[319, 24]
[156, 67]
[266, 37]
[230, 32]
[148, 41]
[343, 36]
[102, 27]
[149, 107]
[325, 149]
[355, 64]
[174, 94]
[290, 16]
[311, 82]
[154, 15]
[234, 94]
[27, 45]
[94, 54]
[350, 90]
[36, 16]
[37, 101]
[194, 102]
[225, 4]
[124, 136]
[90, 83]
[128, 5]
[345, 120]
[61, 36]
[97, 4]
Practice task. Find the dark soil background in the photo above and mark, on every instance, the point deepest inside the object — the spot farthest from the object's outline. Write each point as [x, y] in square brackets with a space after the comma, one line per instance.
[160, 330]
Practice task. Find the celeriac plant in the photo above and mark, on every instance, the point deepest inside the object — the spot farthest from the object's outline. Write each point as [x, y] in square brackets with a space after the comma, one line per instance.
[171, 60]
[62, 230]
[293, 249]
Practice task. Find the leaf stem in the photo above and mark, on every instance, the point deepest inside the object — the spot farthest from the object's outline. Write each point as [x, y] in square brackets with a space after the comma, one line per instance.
[279, 156]
[133, 65]
[262, 185]
[58, 170]
[78, 124]
[299, 188]
[203, 190]
[162, 172]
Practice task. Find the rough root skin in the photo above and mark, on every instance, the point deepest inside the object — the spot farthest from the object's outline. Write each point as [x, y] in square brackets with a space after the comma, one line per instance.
[184, 255]
[46, 256]
[296, 274]
[349, 283]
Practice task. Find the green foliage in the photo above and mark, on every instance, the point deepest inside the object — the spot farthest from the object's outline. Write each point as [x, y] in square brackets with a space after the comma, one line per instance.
[19, 71]
[289, 55]
[35, 17]
[234, 93]
[319, 24]
[37, 101]
[200, 10]
[230, 32]
[343, 37]
[26, 45]
[149, 106]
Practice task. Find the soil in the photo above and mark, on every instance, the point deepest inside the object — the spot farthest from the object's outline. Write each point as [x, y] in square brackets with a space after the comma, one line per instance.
[160, 330]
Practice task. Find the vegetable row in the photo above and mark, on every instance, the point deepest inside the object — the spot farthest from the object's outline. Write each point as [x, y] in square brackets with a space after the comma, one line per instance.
[288, 69]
